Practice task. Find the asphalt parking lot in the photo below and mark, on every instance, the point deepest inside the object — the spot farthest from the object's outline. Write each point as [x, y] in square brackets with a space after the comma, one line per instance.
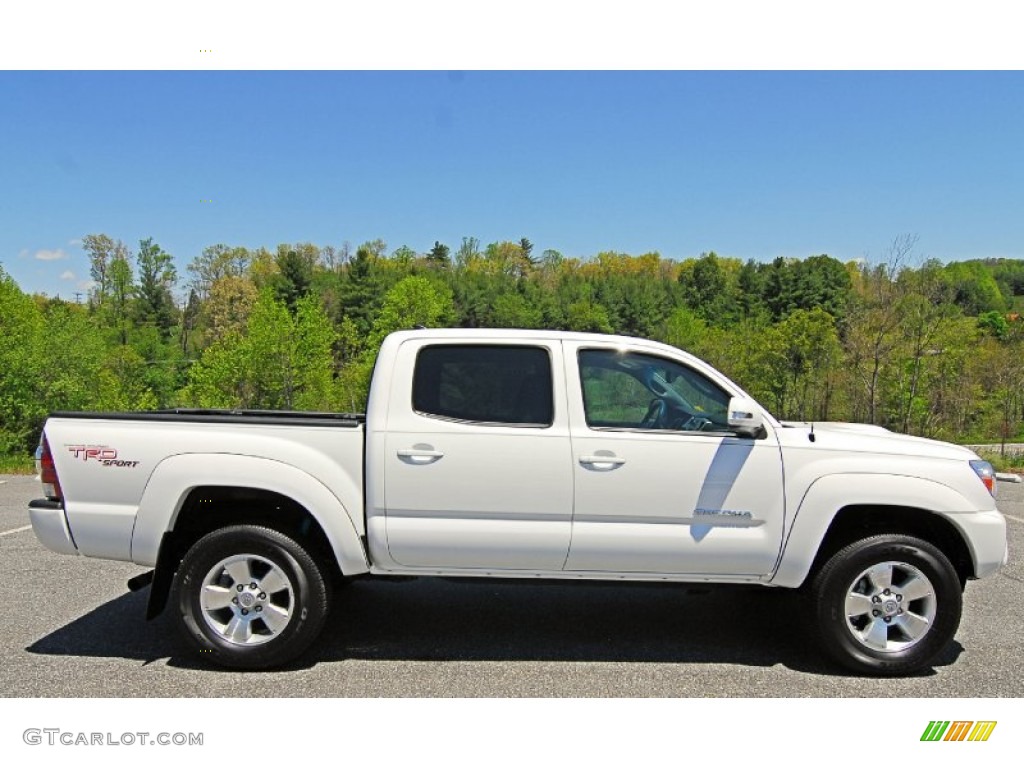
[72, 629]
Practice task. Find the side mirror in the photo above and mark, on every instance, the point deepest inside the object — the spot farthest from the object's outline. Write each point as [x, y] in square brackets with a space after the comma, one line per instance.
[745, 418]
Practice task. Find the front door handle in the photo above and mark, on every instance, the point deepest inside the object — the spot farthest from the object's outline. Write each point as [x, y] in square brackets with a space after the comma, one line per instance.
[417, 455]
[602, 462]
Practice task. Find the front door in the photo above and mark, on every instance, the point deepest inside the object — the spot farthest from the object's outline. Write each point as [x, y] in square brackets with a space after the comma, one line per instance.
[662, 486]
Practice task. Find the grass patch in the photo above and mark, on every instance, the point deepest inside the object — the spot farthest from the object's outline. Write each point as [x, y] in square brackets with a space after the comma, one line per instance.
[17, 465]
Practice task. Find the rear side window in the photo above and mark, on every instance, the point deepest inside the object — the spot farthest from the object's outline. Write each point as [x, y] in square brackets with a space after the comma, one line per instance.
[484, 383]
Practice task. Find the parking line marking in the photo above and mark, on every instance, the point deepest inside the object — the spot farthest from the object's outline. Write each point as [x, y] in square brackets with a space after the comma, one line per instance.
[16, 530]
[1019, 520]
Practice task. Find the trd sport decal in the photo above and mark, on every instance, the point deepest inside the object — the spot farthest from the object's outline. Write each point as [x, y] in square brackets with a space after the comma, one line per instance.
[102, 454]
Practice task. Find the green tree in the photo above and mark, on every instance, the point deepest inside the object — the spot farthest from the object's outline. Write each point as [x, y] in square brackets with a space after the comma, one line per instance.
[102, 251]
[551, 259]
[116, 308]
[122, 384]
[22, 360]
[313, 343]
[190, 320]
[263, 268]
[1002, 378]
[924, 312]
[751, 282]
[157, 277]
[467, 253]
[709, 288]
[413, 301]
[74, 354]
[1009, 276]
[636, 305]
[526, 247]
[800, 352]
[775, 287]
[505, 259]
[438, 254]
[512, 310]
[819, 281]
[215, 262]
[404, 255]
[227, 310]
[587, 316]
[361, 290]
[994, 323]
[872, 331]
[974, 287]
[294, 276]
[280, 361]
[704, 284]
[684, 329]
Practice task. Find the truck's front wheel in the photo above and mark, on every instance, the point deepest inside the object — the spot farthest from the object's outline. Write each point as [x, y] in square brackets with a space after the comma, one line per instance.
[887, 605]
[249, 597]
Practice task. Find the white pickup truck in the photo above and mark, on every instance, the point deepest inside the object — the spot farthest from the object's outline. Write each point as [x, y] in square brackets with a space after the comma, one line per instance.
[524, 454]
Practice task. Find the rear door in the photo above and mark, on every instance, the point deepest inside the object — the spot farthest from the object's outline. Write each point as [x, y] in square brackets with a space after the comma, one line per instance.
[477, 462]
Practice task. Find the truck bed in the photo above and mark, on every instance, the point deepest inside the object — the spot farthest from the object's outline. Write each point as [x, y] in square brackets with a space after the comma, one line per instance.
[118, 469]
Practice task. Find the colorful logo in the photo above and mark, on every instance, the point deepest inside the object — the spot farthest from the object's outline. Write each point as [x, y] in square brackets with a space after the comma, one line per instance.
[104, 454]
[958, 730]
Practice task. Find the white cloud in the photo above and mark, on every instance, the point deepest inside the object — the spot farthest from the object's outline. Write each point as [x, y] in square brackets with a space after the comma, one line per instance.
[75, 243]
[67, 274]
[44, 255]
[87, 285]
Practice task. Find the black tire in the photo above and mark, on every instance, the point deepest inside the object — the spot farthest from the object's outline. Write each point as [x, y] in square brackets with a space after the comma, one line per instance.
[285, 600]
[874, 632]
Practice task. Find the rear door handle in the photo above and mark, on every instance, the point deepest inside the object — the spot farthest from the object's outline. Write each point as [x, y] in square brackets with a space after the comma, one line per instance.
[602, 462]
[419, 455]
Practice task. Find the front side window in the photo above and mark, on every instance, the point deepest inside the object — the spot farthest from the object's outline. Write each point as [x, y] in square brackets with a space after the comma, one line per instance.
[627, 390]
[485, 384]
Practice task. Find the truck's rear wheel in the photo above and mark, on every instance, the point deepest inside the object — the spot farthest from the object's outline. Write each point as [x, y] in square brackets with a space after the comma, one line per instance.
[249, 597]
[887, 605]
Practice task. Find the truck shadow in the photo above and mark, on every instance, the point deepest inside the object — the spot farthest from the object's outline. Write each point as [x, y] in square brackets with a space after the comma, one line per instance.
[438, 620]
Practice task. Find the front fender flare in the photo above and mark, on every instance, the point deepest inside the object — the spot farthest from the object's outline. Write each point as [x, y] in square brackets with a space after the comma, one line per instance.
[827, 495]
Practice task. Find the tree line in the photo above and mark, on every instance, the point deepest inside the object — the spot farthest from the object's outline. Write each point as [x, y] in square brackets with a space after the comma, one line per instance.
[918, 347]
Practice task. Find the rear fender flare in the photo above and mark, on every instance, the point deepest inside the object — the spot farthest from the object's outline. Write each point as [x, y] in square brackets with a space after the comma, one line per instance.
[177, 476]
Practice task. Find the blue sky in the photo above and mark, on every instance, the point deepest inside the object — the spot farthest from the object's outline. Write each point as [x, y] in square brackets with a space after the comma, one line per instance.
[749, 164]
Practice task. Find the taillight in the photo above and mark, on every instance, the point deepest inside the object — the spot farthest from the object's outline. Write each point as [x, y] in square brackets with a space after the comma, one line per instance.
[986, 474]
[48, 474]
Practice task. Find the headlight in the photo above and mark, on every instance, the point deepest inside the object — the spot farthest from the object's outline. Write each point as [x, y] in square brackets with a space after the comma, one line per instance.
[986, 474]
